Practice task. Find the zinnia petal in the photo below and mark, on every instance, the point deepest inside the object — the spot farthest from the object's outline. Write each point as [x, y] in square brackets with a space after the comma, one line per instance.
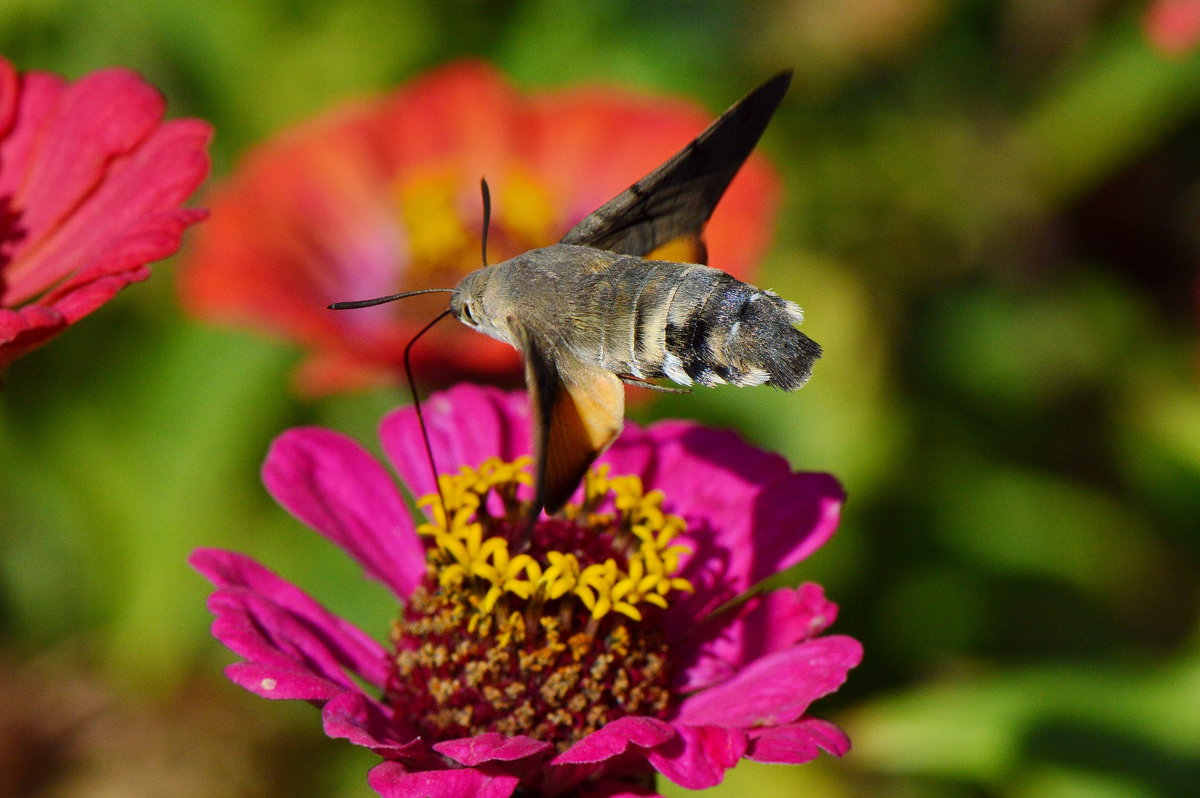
[271, 622]
[580, 763]
[467, 424]
[391, 780]
[614, 738]
[335, 486]
[777, 688]
[749, 516]
[363, 721]
[131, 218]
[797, 743]
[719, 646]
[698, 756]
[762, 517]
[471, 751]
[91, 180]
[95, 120]
[278, 682]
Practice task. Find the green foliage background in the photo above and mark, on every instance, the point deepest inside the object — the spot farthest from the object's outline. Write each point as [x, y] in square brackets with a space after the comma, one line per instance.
[993, 223]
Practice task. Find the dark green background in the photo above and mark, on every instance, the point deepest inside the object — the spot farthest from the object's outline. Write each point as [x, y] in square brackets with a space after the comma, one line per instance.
[992, 220]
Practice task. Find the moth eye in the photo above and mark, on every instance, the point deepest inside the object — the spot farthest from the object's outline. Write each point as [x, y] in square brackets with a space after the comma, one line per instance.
[469, 313]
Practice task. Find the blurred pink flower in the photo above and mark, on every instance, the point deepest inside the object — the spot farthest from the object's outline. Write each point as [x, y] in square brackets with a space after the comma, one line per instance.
[91, 183]
[382, 195]
[1173, 26]
[597, 655]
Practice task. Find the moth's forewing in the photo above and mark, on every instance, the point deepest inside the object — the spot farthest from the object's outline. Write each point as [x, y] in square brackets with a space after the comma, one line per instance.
[676, 199]
[578, 410]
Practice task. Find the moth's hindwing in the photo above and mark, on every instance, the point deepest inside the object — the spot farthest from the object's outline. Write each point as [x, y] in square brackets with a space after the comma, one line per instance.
[578, 411]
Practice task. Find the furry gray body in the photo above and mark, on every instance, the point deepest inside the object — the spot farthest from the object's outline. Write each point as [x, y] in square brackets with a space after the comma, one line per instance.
[641, 318]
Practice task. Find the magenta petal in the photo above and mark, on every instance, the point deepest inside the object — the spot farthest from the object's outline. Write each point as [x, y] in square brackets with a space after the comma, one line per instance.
[272, 623]
[335, 486]
[28, 318]
[797, 743]
[793, 517]
[364, 721]
[614, 738]
[467, 425]
[149, 183]
[489, 747]
[777, 688]
[594, 754]
[749, 516]
[282, 682]
[716, 648]
[711, 473]
[80, 295]
[391, 780]
[698, 756]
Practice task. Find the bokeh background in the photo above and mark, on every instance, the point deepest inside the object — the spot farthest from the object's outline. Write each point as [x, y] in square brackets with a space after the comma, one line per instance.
[992, 219]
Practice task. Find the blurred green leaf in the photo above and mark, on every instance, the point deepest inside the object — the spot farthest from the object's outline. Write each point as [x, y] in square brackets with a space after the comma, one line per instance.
[1038, 525]
[981, 726]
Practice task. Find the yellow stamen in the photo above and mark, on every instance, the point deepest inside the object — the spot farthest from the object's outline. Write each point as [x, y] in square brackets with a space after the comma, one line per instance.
[464, 550]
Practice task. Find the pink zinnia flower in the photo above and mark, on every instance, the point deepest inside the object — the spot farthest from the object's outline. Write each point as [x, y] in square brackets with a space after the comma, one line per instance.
[91, 183]
[382, 195]
[599, 654]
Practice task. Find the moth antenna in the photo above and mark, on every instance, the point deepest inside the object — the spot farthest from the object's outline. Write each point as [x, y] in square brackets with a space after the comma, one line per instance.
[412, 386]
[366, 303]
[487, 215]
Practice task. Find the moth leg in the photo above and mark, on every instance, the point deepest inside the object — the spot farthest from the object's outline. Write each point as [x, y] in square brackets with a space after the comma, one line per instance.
[640, 382]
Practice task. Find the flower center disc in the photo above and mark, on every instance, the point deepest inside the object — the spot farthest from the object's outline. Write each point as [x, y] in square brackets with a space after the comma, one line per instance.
[553, 642]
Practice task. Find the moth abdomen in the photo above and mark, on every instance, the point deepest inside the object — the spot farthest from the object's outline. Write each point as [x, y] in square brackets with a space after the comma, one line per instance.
[720, 330]
[765, 339]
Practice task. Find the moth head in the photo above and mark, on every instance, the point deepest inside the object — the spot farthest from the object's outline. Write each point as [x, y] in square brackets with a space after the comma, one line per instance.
[471, 303]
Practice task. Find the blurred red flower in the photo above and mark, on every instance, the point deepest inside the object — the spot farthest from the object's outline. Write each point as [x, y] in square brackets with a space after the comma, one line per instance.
[91, 180]
[382, 195]
[1173, 26]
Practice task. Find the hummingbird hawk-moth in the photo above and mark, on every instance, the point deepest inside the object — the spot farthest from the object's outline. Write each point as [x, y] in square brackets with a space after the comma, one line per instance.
[597, 309]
